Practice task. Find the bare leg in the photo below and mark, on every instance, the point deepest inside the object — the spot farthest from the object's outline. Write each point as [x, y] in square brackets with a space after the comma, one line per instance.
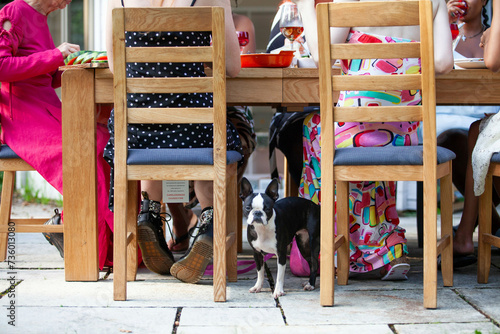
[153, 188]
[204, 192]
[456, 140]
[182, 219]
[462, 243]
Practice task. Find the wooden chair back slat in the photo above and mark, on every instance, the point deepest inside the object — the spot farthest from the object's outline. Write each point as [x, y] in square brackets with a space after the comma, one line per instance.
[354, 16]
[376, 82]
[170, 85]
[170, 115]
[379, 114]
[152, 19]
[168, 55]
[376, 50]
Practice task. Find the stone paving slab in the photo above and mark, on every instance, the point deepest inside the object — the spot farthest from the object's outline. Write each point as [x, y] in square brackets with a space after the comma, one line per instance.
[448, 328]
[45, 319]
[337, 329]
[254, 317]
[377, 307]
[485, 299]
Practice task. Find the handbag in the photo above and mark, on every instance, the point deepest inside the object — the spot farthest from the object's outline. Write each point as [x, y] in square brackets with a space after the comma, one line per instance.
[298, 265]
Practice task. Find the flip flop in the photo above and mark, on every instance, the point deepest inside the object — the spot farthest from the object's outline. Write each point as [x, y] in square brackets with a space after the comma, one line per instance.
[397, 272]
[460, 261]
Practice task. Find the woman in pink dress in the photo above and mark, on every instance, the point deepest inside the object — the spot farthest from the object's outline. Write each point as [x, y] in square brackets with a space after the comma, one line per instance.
[29, 106]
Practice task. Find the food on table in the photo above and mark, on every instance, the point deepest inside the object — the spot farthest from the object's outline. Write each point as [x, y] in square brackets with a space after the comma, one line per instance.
[86, 56]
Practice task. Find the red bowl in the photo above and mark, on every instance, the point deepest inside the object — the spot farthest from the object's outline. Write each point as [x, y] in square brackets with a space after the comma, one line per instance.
[282, 59]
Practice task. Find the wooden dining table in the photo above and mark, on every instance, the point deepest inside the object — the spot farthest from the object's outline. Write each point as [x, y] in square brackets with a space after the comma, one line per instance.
[86, 90]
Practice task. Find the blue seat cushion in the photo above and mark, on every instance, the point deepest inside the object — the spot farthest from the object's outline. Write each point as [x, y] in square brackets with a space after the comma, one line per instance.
[387, 155]
[495, 157]
[7, 153]
[177, 156]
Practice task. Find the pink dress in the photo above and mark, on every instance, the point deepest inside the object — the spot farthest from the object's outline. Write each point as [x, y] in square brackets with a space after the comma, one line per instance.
[31, 110]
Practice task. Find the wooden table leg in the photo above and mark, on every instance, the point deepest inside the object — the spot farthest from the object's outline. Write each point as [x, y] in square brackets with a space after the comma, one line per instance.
[79, 176]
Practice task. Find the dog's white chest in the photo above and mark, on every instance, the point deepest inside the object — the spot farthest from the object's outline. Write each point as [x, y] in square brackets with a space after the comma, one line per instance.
[266, 238]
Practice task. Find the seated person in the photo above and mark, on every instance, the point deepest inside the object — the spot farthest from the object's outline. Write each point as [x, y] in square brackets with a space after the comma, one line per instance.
[183, 218]
[461, 140]
[374, 217]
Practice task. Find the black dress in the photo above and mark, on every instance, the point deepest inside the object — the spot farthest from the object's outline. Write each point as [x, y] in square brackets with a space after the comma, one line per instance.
[151, 136]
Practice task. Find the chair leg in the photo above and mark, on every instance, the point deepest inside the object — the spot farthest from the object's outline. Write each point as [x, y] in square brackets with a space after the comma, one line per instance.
[219, 238]
[484, 248]
[430, 243]
[343, 230]
[291, 189]
[5, 209]
[232, 226]
[327, 250]
[239, 221]
[447, 229]
[132, 212]
[120, 238]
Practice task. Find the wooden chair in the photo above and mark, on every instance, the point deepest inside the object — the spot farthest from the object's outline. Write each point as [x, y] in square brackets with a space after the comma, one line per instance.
[486, 239]
[132, 165]
[410, 163]
[9, 164]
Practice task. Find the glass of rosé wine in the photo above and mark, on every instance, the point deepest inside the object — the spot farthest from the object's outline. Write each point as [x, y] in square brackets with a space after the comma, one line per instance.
[453, 26]
[243, 39]
[290, 22]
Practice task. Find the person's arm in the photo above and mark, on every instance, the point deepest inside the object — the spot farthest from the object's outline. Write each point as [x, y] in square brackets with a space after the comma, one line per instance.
[13, 68]
[443, 50]
[233, 60]
[491, 40]
[112, 4]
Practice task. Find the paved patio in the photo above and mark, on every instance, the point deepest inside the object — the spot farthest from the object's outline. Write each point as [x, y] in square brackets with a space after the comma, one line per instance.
[45, 303]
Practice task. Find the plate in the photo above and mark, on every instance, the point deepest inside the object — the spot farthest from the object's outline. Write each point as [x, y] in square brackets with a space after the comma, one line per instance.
[282, 59]
[470, 63]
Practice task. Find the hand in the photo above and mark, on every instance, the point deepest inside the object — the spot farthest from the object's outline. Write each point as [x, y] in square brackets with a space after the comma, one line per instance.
[454, 12]
[68, 48]
[484, 38]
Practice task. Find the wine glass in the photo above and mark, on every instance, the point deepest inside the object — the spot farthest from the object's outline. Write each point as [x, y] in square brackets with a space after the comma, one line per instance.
[453, 26]
[290, 22]
[243, 39]
[454, 31]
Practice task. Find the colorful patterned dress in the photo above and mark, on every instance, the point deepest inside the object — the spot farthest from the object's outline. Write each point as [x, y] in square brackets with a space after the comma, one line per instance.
[376, 238]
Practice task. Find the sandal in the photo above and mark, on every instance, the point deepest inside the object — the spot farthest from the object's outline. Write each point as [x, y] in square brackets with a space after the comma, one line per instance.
[173, 243]
[396, 270]
[396, 273]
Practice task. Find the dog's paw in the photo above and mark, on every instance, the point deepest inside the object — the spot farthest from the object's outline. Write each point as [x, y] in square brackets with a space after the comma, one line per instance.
[307, 286]
[254, 289]
[278, 293]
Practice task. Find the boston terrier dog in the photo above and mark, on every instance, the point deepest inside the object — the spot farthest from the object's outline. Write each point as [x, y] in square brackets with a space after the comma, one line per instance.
[272, 224]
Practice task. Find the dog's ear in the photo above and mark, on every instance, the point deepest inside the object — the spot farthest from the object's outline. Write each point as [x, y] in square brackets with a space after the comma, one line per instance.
[272, 189]
[245, 188]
